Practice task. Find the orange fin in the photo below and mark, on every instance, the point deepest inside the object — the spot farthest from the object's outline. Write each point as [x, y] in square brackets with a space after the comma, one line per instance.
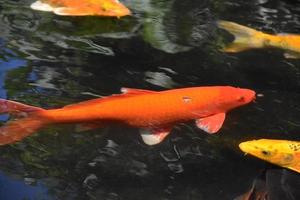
[235, 47]
[7, 106]
[291, 55]
[211, 124]
[125, 90]
[154, 136]
[88, 126]
[16, 130]
[295, 167]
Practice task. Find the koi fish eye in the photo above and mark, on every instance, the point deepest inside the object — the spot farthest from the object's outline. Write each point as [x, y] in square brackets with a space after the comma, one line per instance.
[241, 98]
[266, 153]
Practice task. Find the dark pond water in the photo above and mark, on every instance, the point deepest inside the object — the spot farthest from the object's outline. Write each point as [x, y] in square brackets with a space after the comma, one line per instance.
[51, 61]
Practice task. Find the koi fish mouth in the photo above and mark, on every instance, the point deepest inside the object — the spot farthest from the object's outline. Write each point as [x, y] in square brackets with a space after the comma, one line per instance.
[245, 147]
[248, 95]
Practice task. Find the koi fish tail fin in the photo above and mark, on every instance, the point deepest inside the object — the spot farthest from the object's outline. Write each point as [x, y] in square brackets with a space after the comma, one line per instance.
[244, 38]
[15, 130]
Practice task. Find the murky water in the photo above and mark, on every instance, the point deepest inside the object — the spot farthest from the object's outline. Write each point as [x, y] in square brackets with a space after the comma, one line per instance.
[51, 61]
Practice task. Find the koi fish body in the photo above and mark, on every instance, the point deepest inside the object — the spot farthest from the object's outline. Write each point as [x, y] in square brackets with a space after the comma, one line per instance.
[279, 152]
[248, 38]
[109, 8]
[154, 112]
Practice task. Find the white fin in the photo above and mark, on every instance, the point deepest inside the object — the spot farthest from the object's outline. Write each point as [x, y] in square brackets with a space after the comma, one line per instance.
[38, 5]
[65, 11]
[152, 137]
[125, 90]
[291, 55]
[211, 124]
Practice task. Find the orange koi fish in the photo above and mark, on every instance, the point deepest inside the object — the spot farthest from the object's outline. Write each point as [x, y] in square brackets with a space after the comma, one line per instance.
[279, 152]
[154, 112]
[109, 8]
[248, 38]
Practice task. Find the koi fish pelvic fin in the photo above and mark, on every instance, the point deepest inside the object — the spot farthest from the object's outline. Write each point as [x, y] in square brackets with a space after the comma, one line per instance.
[154, 136]
[244, 38]
[211, 124]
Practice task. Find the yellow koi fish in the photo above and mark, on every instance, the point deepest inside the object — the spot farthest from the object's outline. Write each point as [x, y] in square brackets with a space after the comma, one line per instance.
[284, 153]
[108, 8]
[248, 38]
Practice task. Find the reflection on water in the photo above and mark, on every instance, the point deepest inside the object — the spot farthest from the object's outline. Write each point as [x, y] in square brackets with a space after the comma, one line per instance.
[50, 61]
[26, 189]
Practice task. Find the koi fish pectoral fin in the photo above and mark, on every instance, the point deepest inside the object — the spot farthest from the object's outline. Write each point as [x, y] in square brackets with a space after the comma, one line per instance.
[211, 124]
[154, 136]
[295, 168]
[41, 6]
[235, 47]
[291, 55]
[64, 11]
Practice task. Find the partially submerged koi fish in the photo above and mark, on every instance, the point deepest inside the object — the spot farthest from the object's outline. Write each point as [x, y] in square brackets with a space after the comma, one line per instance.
[156, 113]
[279, 152]
[109, 8]
[257, 191]
[248, 38]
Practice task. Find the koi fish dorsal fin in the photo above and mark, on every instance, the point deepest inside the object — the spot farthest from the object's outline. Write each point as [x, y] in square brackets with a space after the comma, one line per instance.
[211, 124]
[154, 136]
[125, 90]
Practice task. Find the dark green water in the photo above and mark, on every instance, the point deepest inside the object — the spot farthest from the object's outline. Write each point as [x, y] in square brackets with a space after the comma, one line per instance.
[51, 61]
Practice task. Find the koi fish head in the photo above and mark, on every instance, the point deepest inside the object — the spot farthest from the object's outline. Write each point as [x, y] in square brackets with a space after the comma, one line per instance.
[280, 152]
[231, 97]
